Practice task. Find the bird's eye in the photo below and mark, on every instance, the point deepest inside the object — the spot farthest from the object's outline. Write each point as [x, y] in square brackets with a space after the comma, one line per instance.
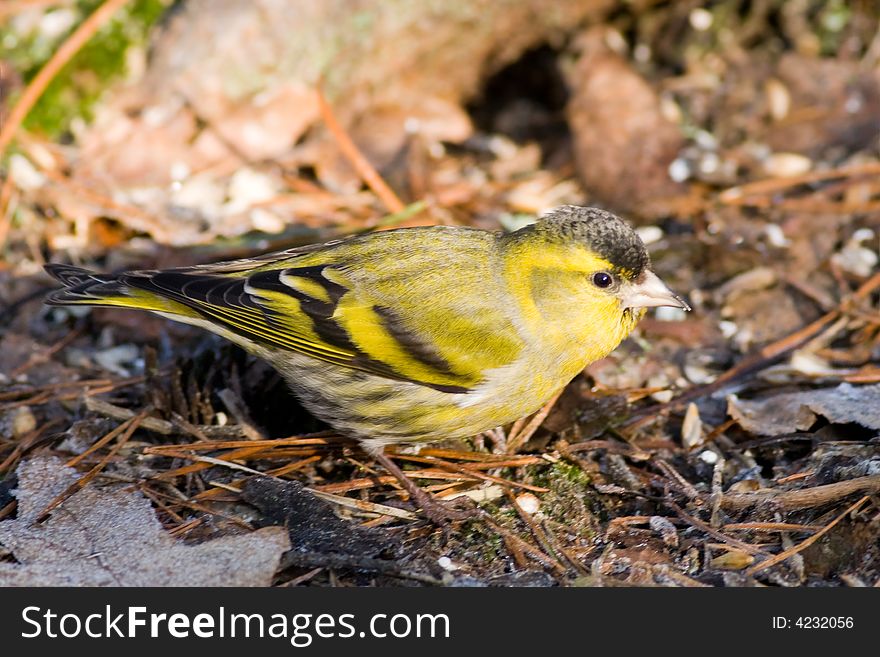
[602, 279]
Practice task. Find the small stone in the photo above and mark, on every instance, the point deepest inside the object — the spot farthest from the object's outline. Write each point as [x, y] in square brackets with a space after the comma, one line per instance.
[248, 187]
[708, 456]
[267, 222]
[854, 257]
[786, 165]
[679, 170]
[24, 173]
[728, 329]
[776, 236]
[116, 358]
[529, 503]
[759, 278]
[692, 428]
[808, 363]
[650, 234]
[23, 422]
[180, 171]
[446, 564]
[778, 99]
[710, 163]
[700, 19]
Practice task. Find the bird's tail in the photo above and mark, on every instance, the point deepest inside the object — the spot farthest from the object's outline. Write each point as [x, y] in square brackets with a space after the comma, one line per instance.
[88, 288]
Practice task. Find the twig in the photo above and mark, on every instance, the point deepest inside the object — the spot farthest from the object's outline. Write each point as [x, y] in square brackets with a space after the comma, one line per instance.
[100, 443]
[189, 504]
[545, 538]
[156, 425]
[806, 498]
[515, 441]
[770, 527]
[699, 524]
[25, 443]
[737, 195]
[68, 49]
[357, 159]
[294, 466]
[44, 356]
[361, 505]
[472, 456]
[468, 471]
[84, 383]
[5, 214]
[230, 400]
[8, 509]
[782, 556]
[760, 359]
[242, 453]
[306, 440]
[522, 545]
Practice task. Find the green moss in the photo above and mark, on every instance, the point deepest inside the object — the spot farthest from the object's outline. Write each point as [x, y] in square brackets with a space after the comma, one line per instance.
[833, 19]
[102, 60]
[561, 472]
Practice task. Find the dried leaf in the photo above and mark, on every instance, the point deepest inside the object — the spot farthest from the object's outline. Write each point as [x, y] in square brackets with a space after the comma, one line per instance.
[797, 411]
[732, 560]
[111, 537]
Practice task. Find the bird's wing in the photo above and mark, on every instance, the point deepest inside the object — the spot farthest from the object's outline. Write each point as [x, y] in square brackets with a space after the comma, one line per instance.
[375, 305]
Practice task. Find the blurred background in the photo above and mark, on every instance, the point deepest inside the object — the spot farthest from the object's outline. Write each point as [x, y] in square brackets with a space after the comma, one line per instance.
[742, 138]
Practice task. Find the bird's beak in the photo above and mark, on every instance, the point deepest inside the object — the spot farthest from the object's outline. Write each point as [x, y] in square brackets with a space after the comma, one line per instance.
[649, 291]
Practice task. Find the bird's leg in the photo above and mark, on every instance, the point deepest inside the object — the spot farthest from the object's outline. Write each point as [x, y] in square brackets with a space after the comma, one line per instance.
[437, 512]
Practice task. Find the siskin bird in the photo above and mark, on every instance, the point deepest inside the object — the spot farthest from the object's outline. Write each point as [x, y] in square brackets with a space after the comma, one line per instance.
[414, 334]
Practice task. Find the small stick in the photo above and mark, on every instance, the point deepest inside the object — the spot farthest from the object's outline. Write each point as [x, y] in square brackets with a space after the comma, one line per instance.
[470, 472]
[156, 425]
[8, 509]
[100, 443]
[357, 159]
[734, 195]
[296, 441]
[44, 356]
[230, 400]
[803, 545]
[770, 527]
[807, 498]
[361, 505]
[699, 524]
[5, 216]
[515, 441]
[523, 545]
[760, 359]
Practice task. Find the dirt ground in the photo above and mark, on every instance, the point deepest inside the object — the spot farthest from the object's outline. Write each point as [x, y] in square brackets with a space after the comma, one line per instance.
[736, 445]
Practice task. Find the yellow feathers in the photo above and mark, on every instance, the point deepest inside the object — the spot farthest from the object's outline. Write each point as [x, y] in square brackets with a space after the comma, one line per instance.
[414, 334]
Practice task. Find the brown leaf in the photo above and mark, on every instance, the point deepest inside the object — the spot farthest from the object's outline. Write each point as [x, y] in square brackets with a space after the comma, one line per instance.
[797, 411]
[623, 143]
[111, 537]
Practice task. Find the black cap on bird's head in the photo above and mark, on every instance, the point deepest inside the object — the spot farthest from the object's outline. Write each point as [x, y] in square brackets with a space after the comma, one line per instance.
[629, 276]
[606, 234]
